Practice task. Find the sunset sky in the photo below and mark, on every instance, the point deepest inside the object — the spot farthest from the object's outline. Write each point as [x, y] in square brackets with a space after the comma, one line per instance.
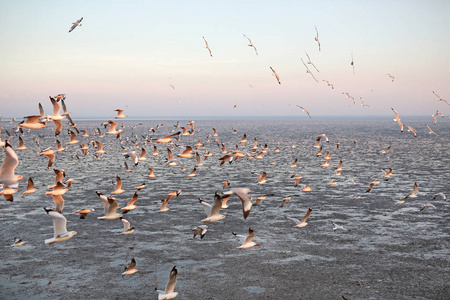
[129, 54]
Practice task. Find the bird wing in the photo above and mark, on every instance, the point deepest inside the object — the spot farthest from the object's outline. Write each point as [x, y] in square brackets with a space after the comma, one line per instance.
[206, 207]
[173, 276]
[113, 205]
[134, 199]
[308, 213]
[126, 225]
[10, 161]
[59, 223]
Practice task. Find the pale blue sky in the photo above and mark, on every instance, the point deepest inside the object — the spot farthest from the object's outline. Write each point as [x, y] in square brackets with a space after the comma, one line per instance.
[128, 53]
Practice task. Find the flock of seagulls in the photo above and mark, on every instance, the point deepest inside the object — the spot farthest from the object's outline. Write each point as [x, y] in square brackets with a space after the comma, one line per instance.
[84, 141]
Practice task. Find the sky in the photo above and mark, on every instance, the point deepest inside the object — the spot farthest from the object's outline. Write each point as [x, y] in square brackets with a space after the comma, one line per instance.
[149, 57]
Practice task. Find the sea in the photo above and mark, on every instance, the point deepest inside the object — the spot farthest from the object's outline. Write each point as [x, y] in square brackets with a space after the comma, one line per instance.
[387, 250]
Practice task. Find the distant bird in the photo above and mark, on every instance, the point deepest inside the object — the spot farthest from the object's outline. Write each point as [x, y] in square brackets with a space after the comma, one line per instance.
[32, 122]
[397, 119]
[169, 292]
[59, 227]
[250, 44]
[202, 229]
[309, 62]
[362, 102]
[427, 205]
[77, 23]
[353, 65]
[84, 212]
[120, 114]
[8, 193]
[440, 98]
[130, 268]
[308, 70]
[260, 198]
[372, 184]
[246, 240]
[30, 188]
[391, 77]
[329, 84]
[207, 46]
[118, 188]
[261, 177]
[301, 223]
[337, 227]
[347, 95]
[412, 195]
[385, 150]
[304, 109]
[316, 38]
[412, 130]
[18, 242]
[131, 204]
[442, 195]
[276, 75]
[127, 229]
[431, 131]
[387, 174]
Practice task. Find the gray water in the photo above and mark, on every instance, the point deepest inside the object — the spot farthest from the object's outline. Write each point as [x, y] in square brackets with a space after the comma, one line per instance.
[387, 251]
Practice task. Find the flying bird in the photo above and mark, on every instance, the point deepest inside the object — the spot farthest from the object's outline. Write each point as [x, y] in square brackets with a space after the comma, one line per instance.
[169, 292]
[276, 75]
[212, 212]
[250, 44]
[207, 46]
[397, 119]
[77, 23]
[316, 38]
[130, 268]
[10, 162]
[304, 109]
[246, 240]
[246, 200]
[301, 223]
[202, 229]
[440, 98]
[59, 227]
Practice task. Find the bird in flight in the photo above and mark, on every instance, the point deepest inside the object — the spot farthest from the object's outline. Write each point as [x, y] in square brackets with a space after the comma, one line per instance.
[308, 70]
[250, 44]
[276, 75]
[440, 98]
[317, 37]
[309, 62]
[77, 23]
[304, 109]
[207, 46]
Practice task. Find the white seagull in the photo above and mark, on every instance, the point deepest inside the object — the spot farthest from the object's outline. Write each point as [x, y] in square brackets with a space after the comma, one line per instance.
[212, 212]
[10, 162]
[169, 292]
[246, 200]
[59, 225]
[246, 240]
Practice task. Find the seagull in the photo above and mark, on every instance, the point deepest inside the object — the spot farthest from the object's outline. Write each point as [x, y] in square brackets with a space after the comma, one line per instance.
[77, 23]
[251, 44]
[207, 46]
[10, 162]
[261, 178]
[353, 65]
[120, 114]
[337, 227]
[59, 225]
[142, 155]
[84, 212]
[276, 75]
[30, 188]
[260, 198]
[169, 292]
[347, 95]
[8, 193]
[133, 156]
[285, 200]
[118, 189]
[385, 150]
[316, 38]
[372, 184]
[304, 109]
[168, 139]
[440, 98]
[18, 242]
[126, 227]
[329, 84]
[130, 205]
[130, 268]
[212, 212]
[32, 122]
[246, 200]
[308, 70]
[362, 102]
[112, 129]
[200, 229]
[427, 205]
[301, 223]
[58, 190]
[246, 241]
[397, 119]
[412, 130]
[151, 172]
[111, 213]
[309, 62]
[442, 195]
[412, 195]
[431, 131]
[387, 174]
[391, 77]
